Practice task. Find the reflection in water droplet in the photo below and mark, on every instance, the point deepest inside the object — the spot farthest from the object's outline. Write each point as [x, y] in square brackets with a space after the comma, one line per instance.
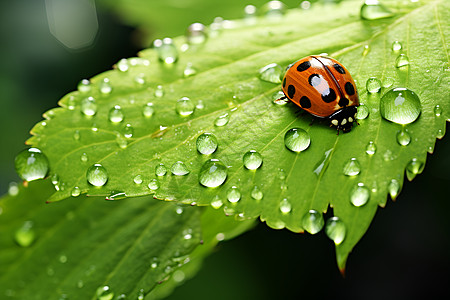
[373, 85]
[437, 110]
[373, 10]
[25, 235]
[414, 168]
[84, 86]
[401, 61]
[105, 86]
[388, 82]
[313, 221]
[403, 137]
[257, 194]
[148, 110]
[153, 184]
[160, 170]
[167, 52]
[394, 188]
[88, 106]
[363, 112]
[159, 91]
[76, 191]
[185, 106]
[234, 195]
[179, 168]
[400, 105]
[297, 140]
[335, 230]
[31, 164]
[366, 50]
[222, 120]
[138, 179]
[252, 160]
[206, 143]
[359, 195]
[285, 206]
[271, 73]
[371, 148]
[116, 114]
[216, 202]
[396, 46]
[97, 175]
[104, 293]
[213, 173]
[196, 33]
[352, 167]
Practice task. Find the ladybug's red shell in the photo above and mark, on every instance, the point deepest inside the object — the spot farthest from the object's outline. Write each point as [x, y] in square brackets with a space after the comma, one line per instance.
[320, 85]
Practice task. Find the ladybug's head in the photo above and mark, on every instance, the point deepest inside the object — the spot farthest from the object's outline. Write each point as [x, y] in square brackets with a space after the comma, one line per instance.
[343, 119]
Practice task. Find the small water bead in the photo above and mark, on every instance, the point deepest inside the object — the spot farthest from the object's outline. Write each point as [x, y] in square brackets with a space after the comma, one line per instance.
[121, 140]
[97, 175]
[252, 160]
[13, 190]
[437, 110]
[76, 191]
[363, 112]
[274, 9]
[394, 188]
[250, 13]
[216, 202]
[185, 106]
[371, 148]
[305, 5]
[313, 221]
[153, 184]
[105, 86]
[25, 235]
[359, 195]
[200, 104]
[128, 131]
[440, 134]
[402, 60]
[373, 10]
[55, 181]
[76, 135]
[122, 65]
[31, 164]
[189, 70]
[388, 82]
[271, 73]
[140, 78]
[116, 114]
[196, 33]
[167, 52]
[256, 193]
[222, 120]
[297, 140]
[84, 157]
[400, 105]
[279, 98]
[138, 179]
[396, 46]
[63, 259]
[335, 230]
[352, 167]
[213, 173]
[148, 110]
[373, 85]
[366, 50]
[179, 168]
[234, 194]
[104, 293]
[206, 143]
[403, 137]
[285, 206]
[160, 170]
[159, 91]
[71, 103]
[88, 106]
[414, 168]
[84, 86]
[141, 294]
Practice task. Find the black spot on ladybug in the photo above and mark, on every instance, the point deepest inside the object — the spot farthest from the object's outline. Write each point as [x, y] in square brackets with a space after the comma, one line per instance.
[349, 89]
[305, 102]
[291, 91]
[314, 80]
[339, 68]
[343, 102]
[284, 82]
[303, 66]
[328, 95]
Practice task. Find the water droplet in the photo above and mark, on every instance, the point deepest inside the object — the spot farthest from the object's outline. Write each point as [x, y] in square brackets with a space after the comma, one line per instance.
[394, 188]
[216, 202]
[71, 103]
[400, 105]
[335, 230]
[414, 168]
[141, 294]
[122, 65]
[222, 120]
[104, 293]
[13, 190]
[153, 184]
[179, 168]
[167, 52]
[76, 135]
[200, 104]
[121, 140]
[366, 50]
[196, 33]
[373, 85]
[185, 106]
[189, 70]
[160, 170]
[363, 112]
[31, 164]
[313, 221]
[213, 173]
[88, 106]
[116, 114]
[63, 259]
[148, 110]
[97, 175]
[440, 134]
[388, 82]
[25, 235]
[128, 131]
[279, 98]
[84, 86]
[155, 263]
[352, 167]
[206, 143]
[159, 91]
[257, 194]
[437, 110]
[285, 206]
[234, 194]
[252, 160]
[403, 137]
[138, 179]
[105, 86]
[402, 60]
[359, 195]
[80, 284]
[76, 191]
[297, 139]
[84, 157]
[371, 148]
[250, 14]
[271, 73]
[396, 46]
[373, 10]
[140, 78]
[274, 9]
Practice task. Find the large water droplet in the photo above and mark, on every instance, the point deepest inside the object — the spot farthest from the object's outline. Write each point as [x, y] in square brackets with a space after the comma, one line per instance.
[76, 191]
[196, 33]
[437, 110]
[104, 293]
[271, 73]
[25, 235]
[285, 206]
[97, 175]
[234, 194]
[213, 173]
[167, 52]
[88, 106]
[359, 195]
[222, 120]
[371, 148]
[363, 112]
[373, 85]
[257, 194]
[396, 46]
[402, 60]
[153, 184]
[31, 164]
[414, 168]
[297, 139]
[105, 86]
[185, 106]
[394, 188]
[148, 110]
[313, 221]
[388, 82]
[179, 168]
[335, 230]
[160, 170]
[352, 167]
[403, 137]
[400, 105]
[216, 202]
[206, 143]
[84, 86]
[116, 114]
[252, 160]
[373, 10]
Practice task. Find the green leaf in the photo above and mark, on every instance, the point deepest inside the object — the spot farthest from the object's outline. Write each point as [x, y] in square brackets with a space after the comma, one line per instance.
[227, 81]
[80, 246]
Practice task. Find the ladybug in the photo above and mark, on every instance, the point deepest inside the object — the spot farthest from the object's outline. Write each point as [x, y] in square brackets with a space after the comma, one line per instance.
[323, 87]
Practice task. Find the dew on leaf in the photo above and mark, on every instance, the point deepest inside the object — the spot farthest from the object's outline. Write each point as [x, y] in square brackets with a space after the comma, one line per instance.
[206, 143]
[140, 78]
[116, 114]
[274, 9]
[105, 86]
[388, 82]
[138, 179]
[252, 160]
[271, 73]
[394, 188]
[97, 175]
[88, 106]
[159, 91]
[437, 110]
[352, 167]
[363, 112]
[366, 50]
[285, 206]
[185, 106]
[166, 50]
[84, 86]
[440, 134]
[216, 202]
[213, 173]
[222, 120]
[122, 65]
[121, 140]
[313, 221]
[63, 259]
[371, 148]
[104, 293]
[153, 184]
[414, 167]
[403, 137]
[374, 10]
[250, 13]
[373, 85]
[196, 33]
[297, 140]
[256, 193]
[76, 135]
[76, 191]
[25, 235]
[335, 230]
[402, 60]
[189, 70]
[128, 131]
[234, 194]
[305, 5]
[400, 105]
[148, 110]
[13, 190]
[200, 104]
[279, 98]
[396, 46]
[31, 164]
[359, 195]
[84, 157]
[160, 170]
[179, 168]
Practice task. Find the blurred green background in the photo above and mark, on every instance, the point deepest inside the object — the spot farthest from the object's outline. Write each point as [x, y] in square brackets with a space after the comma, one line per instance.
[404, 255]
